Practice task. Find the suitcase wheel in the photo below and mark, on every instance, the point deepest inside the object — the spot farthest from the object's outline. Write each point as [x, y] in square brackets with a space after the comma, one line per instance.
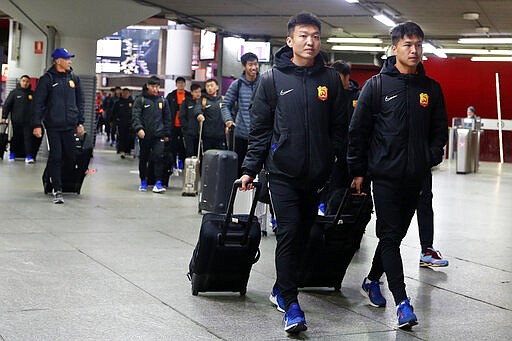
[264, 233]
[195, 289]
[243, 292]
[194, 292]
[337, 288]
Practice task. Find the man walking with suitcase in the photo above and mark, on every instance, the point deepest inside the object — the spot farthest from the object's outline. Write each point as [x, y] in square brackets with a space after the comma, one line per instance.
[396, 135]
[298, 125]
[59, 105]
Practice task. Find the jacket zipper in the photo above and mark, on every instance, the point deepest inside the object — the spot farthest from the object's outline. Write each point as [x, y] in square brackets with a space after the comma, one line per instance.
[306, 120]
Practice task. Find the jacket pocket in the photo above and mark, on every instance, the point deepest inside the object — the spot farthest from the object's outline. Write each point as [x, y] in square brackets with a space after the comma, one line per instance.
[287, 157]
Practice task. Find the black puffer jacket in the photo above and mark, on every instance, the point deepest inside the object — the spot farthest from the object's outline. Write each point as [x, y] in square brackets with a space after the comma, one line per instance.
[403, 138]
[58, 101]
[19, 105]
[213, 125]
[122, 111]
[297, 142]
[152, 114]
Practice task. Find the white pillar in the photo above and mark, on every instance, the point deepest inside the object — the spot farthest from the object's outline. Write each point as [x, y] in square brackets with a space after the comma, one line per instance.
[178, 60]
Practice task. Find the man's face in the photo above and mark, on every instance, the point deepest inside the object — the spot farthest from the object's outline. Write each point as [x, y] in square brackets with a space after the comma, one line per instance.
[64, 64]
[305, 43]
[196, 94]
[153, 89]
[211, 88]
[251, 68]
[408, 52]
[180, 85]
[118, 92]
[126, 94]
[25, 82]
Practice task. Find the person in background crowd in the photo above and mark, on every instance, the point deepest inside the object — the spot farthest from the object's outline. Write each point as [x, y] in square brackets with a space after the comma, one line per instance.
[298, 124]
[396, 145]
[235, 105]
[189, 124]
[108, 106]
[207, 110]
[151, 121]
[59, 105]
[122, 116]
[175, 98]
[18, 104]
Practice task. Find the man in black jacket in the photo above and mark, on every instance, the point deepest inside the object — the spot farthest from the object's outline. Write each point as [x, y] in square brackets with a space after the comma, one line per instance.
[59, 105]
[177, 146]
[122, 118]
[208, 111]
[188, 120]
[298, 125]
[19, 105]
[151, 121]
[395, 140]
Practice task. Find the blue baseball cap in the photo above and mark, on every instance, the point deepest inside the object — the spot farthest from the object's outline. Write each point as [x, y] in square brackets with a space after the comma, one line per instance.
[61, 53]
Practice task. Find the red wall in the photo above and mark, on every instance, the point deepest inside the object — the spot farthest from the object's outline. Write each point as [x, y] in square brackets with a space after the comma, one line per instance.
[468, 83]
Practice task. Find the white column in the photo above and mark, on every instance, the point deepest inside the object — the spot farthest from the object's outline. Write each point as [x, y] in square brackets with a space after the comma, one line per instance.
[178, 60]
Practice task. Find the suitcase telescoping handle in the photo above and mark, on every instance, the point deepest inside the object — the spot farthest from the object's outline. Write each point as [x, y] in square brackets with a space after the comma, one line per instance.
[229, 214]
[342, 208]
[200, 141]
[347, 197]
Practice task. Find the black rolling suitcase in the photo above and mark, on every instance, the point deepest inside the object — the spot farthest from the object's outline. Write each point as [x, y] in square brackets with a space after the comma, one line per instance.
[333, 241]
[227, 248]
[219, 168]
[73, 174]
[4, 139]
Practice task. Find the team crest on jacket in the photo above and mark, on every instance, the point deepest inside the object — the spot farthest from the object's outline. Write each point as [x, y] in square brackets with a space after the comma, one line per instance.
[29, 97]
[424, 100]
[129, 105]
[354, 103]
[160, 105]
[71, 83]
[322, 93]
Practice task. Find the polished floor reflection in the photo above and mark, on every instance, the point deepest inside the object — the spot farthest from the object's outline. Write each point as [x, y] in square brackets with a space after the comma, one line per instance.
[111, 264]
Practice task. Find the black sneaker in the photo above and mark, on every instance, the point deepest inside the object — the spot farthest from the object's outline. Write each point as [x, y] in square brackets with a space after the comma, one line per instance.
[57, 197]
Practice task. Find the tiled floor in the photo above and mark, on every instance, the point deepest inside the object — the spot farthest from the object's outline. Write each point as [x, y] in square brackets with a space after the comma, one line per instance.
[111, 264]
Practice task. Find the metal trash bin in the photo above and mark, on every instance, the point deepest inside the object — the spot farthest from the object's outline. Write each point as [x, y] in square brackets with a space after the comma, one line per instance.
[464, 159]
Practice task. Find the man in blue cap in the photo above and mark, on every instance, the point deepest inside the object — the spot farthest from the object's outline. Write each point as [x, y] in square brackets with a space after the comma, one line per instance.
[59, 105]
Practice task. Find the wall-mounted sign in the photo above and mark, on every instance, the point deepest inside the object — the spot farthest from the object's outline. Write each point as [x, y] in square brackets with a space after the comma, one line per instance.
[38, 47]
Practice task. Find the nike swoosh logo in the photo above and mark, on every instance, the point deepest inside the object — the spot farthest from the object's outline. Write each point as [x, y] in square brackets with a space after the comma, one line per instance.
[54, 85]
[209, 105]
[18, 96]
[387, 99]
[147, 105]
[282, 93]
[191, 107]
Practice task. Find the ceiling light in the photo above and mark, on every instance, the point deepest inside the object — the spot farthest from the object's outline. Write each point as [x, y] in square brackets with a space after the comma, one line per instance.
[491, 59]
[485, 41]
[359, 48]
[482, 29]
[352, 1]
[471, 16]
[429, 48]
[354, 40]
[384, 19]
[478, 52]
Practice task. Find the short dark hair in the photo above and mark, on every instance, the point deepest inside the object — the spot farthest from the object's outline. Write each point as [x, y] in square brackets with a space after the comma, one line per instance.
[180, 79]
[209, 80]
[117, 88]
[303, 18]
[25, 76]
[195, 86]
[153, 80]
[126, 89]
[248, 57]
[407, 28]
[342, 67]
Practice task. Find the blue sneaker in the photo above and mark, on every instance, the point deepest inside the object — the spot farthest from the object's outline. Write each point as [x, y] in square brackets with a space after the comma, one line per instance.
[321, 209]
[273, 223]
[12, 157]
[29, 159]
[143, 186]
[432, 258]
[406, 316]
[158, 187]
[294, 320]
[371, 290]
[276, 299]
